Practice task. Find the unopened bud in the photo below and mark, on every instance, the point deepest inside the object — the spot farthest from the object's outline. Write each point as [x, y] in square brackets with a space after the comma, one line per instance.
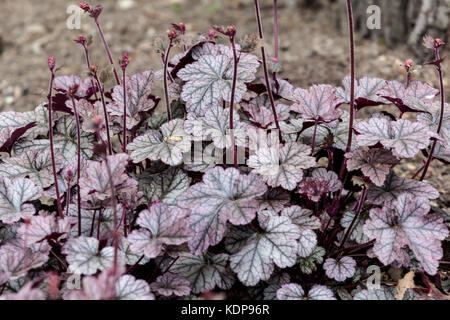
[172, 34]
[211, 34]
[81, 40]
[231, 30]
[125, 60]
[51, 62]
[84, 6]
[94, 69]
[438, 43]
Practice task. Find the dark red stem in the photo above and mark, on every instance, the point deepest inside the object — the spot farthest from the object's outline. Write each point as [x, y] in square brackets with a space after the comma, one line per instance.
[441, 118]
[266, 72]
[166, 88]
[77, 119]
[108, 51]
[352, 84]
[233, 92]
[52, 148]
[124, 73]
[105, 112]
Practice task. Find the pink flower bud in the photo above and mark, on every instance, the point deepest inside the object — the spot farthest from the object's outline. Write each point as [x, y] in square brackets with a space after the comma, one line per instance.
[231, 30]
[125, 60]
[438, 43]
[211, 34]
[172, 34]
[182, 27]
[81, 40]
[51, 62]
[84, 6]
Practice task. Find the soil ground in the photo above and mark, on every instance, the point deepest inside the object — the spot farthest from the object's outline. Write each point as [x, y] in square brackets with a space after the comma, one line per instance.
[312, 51]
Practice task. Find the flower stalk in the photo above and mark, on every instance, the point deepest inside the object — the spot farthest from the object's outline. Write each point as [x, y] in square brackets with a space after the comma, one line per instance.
[77, 120]
[51, 65]
[124, 63]
[266, 72]
[172, 34]
[437, 46]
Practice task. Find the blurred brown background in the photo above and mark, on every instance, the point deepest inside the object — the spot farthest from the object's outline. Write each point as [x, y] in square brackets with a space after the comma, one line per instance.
[313, 41]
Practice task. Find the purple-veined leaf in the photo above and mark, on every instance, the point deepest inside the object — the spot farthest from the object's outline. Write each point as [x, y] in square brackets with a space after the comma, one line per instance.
[171, 284]
[101, 287]
[9, 136]
[275, 283]
[400, 96]
[284, 89]
[84, 256]
[224, 195]
[129, 288]
[215, 126]
[164, 186]
[318, 103]
[34, 164]
[96, 182]
[375, 164]
[277, 245]
[15, 120]
[44, 225]
[209, 78]
[260, 111]
[384, 293]
[406, 222]
[320, 184]
[167, 145]
[340, 132]
[303, 219]
[341, 269]
[83, 87]
[294, 291]
[404, 137]
[367, 92]
[274, 200]
[159, 226]
[282, 167]
[394, 186]
[16, 259]
[65, 138]
[13, 197]
[205, 272]
[139, 98]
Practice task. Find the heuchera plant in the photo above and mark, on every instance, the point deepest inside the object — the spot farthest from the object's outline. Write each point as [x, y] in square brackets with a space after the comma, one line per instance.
[237, 185]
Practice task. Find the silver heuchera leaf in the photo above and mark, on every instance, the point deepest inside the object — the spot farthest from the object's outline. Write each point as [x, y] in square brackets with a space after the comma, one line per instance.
[215, 126]
[404, 137]
[96, 181]
[84, 257]
[374, 164]
[282, 167]
[66, 83]
[165, 186]
[139, 99]
[294, 291]
[167, 145]
[274, 200]
[16, 259]
[318, 103]
[160, 226]
[341, 269]
[204, 272]
[170, 284]
[309, 264]
[277, 245]
[35, 165]
[209, 79]
[303, 219]
[400, 95]
[394, 186]
[406, 222]
[259, 111]
[357, 233]
[224, 195]
[12, 120]
[43, 225]
[384, 293]
[367, 91]
[128, 288]
[13, 197]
